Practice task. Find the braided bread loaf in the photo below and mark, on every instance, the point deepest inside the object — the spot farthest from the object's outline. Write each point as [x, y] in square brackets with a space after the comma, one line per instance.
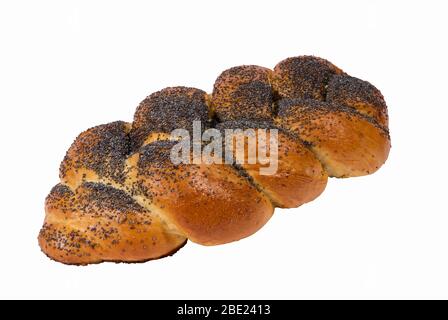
[122, 199]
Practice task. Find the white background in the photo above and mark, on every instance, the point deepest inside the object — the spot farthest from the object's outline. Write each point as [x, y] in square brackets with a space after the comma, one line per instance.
[68, 65]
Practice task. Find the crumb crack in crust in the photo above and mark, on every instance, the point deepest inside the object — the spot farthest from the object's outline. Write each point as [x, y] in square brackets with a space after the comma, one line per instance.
[121, 199]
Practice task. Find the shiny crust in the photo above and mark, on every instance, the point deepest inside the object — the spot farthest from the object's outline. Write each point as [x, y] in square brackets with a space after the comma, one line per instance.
[121, 199]
[347, 143]
[300, 177]
[181, 195]
[335, 112]
[97, 223]
[212, 204]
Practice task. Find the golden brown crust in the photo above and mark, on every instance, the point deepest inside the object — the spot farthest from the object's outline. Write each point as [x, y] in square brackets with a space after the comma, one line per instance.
[182, 195]
[98, 223]
[347, 143]
[298, 177]
[211, 203]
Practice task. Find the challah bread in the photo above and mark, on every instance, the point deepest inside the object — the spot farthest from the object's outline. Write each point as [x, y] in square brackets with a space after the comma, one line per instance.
[121, 198]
